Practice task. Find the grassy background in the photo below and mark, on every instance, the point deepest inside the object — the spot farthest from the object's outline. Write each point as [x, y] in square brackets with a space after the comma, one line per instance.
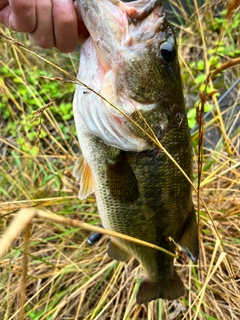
[50, 272]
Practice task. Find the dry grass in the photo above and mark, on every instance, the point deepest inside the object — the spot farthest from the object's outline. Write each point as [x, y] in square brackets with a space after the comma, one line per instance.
[50, 272]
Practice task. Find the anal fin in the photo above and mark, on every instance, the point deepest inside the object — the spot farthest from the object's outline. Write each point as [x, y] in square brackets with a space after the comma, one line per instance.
[117, 253]
[82, 173]
[189, 238]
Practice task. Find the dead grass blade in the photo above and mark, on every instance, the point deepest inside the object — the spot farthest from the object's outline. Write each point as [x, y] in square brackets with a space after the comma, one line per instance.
[25, 216]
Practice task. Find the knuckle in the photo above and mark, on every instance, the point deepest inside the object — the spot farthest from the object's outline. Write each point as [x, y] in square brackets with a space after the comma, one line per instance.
[21, 6]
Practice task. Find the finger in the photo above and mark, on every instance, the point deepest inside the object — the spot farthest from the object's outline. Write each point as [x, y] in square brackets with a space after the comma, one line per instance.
[3, 4]
[19, 15]
[23, 15]
[43, 35]
[65, 25]
[5, 12]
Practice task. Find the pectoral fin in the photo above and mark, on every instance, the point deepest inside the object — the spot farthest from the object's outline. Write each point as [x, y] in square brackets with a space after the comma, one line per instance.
[189, 238]
[82, 173]
[117, 253]
[121, 179]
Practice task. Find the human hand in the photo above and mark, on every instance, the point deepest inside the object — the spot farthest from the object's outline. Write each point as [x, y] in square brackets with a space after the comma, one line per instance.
[51, 23]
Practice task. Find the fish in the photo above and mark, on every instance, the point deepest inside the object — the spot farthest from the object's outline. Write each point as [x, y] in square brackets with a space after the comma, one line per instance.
[131, 61]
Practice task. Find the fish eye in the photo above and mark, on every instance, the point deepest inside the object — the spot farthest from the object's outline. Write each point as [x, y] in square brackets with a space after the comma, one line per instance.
[168, 52]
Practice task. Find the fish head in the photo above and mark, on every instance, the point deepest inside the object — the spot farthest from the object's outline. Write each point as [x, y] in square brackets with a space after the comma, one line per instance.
[131, 60]
[150, 70]
[137, 43]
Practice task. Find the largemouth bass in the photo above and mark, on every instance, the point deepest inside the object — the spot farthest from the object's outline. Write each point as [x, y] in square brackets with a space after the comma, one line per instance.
[131, 60]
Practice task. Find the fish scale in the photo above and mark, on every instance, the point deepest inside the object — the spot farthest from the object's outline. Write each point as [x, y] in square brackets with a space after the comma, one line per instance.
[139, 190]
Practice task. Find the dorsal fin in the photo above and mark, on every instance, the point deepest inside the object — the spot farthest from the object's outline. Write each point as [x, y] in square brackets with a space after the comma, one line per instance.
[82, 173]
